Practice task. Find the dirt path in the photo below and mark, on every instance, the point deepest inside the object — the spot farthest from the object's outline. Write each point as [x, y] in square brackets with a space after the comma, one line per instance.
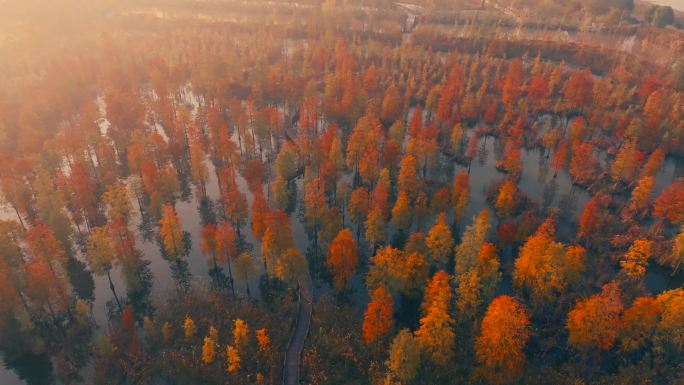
[293, 354]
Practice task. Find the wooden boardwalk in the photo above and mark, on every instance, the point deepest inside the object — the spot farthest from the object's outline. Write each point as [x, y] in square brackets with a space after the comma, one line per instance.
[293, 354]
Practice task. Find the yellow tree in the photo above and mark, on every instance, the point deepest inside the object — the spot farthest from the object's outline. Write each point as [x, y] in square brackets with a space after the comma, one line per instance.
[499, 347]
[635, 261]
[232, 360]
[404, 357]
[263, 340]
[487, 266]
[118, 202]
[435, 335]
[545, 267]
[171, 233]
[408, 180]
[101, 255]
[240, 334]
[677, 254]
[504, 200]
[401, 212]
[208, 351]
[375, 227]
[342, 258]
[472, 240]
[669, 337]
[189, 328]
[641, 194]
[291, 265]
[624, 167]
[468, 293]
[439, 240]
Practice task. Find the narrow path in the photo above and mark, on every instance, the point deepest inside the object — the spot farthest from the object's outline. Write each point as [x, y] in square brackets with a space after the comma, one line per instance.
[293, 354]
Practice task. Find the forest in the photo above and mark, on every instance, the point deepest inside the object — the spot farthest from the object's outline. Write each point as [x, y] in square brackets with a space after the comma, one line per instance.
[341, 192]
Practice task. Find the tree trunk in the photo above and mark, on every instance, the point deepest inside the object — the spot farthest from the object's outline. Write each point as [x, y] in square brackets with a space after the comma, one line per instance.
[230, 274]
[111, 286]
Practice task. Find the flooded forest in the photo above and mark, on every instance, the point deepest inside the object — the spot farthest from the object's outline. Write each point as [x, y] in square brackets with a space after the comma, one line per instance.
[341, 192]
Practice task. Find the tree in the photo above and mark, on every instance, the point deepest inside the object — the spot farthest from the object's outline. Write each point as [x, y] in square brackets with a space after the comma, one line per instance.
[487, 267]
[669, 338]
[260, 211]
[82, 188]
[635, 261]
[472, 240]
[435, 335]
[342, 259]
[118, 202]
[208, 351]
[375, 227]
[468, 292]
[407, 180]
[578, 89]
[641, 194]
[200, 171]
[280, 198]
[582, 162]
[386, 268]
[189, 328]
[404, 357]
[377, 320]
[439, 240]
[593, 322]
[440, 200]
[638, 323]
[209, 241]
[236, 208]
[391, 104]
[263, 340]
[44, 245]
[460, 194]
[560, 157]
[232, 359]
[653, 164]
[358, 207]
[314, 205]
[499, 347]
[538, 91]
[670, 204]
[246, 268]
[44, 288]
[512, 84]
[545, 267]
[226, 248]
[511, 162]
[291, 265]
[677, 255]
[286, 162]
[171, 233]
[626, 162]
[504, 201]
[401, 212]
[240, 334]
[101, 255]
